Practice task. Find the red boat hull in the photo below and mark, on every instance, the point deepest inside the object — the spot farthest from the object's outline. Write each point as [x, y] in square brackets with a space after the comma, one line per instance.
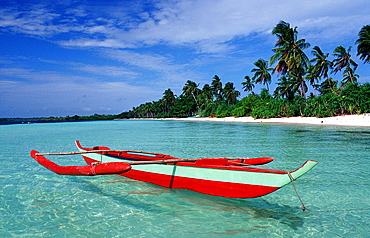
[226, 177]
[218, 177]
[215, 188]
[90, 170]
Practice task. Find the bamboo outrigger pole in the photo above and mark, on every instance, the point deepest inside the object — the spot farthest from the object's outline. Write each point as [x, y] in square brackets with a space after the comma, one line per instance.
[100, 151]
[134, 151]
[165, 160]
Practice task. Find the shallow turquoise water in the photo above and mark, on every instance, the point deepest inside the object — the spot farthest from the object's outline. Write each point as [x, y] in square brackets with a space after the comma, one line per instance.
[34, 202]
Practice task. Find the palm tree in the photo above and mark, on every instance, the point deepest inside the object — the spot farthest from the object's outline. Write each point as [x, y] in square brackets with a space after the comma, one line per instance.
[287, 87]
[230, 93]
[343, 60]
[285, 36]
[262, 73]
[148, 109]
[349, 75]
[321, 67]
[216, 86]
[248, 84]
[363, 48]
[206, 96]
[207, 93]
[168, 99]
[289, 53]
[191, 88]
[322, 64]
[329, 85]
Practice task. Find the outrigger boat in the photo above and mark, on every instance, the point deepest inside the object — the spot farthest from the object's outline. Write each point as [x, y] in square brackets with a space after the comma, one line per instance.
[225, 177]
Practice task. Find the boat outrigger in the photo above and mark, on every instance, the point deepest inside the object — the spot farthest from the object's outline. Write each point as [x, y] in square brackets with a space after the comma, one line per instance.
[225, 177]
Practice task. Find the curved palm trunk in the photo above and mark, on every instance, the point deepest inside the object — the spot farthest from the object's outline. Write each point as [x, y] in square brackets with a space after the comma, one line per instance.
[303, 93]
[350, 76]
[196, 102]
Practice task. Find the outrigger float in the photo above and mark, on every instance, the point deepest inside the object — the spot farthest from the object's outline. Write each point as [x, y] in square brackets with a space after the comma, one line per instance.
[225, 177]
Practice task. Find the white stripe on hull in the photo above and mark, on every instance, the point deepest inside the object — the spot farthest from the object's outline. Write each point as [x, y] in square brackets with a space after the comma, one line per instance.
[221, 175]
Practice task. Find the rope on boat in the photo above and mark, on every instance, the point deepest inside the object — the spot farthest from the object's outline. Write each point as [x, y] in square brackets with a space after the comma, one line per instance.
[93, 170]
[304, 208]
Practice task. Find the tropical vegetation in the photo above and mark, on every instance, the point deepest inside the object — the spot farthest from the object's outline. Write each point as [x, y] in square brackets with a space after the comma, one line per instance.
[296, 74]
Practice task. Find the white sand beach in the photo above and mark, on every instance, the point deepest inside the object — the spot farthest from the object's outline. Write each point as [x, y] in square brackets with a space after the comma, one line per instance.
[362, 120]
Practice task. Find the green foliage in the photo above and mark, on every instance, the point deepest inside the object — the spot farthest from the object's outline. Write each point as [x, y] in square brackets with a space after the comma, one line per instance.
[356, 98]
[224, 110]
[363, 48]
[209, 109]
[324, 106]
[238, 112]
[184, 106]
[264, 111]
[350, 98]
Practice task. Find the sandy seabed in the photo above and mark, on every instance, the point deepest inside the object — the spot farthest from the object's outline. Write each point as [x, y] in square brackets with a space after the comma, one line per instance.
[346, 120]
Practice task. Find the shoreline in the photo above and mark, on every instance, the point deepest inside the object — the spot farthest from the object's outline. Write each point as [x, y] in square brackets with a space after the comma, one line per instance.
[361, 120]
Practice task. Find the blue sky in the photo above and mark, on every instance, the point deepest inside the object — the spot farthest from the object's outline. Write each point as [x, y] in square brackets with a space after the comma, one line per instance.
[60, 58]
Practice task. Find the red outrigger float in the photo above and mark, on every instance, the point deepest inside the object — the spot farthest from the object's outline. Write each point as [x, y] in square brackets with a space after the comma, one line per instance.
[226, 177]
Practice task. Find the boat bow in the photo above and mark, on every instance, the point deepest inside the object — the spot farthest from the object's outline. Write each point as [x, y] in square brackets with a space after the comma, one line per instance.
[307, 166]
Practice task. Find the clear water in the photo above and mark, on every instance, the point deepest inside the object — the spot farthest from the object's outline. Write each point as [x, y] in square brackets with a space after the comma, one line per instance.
[34, 202]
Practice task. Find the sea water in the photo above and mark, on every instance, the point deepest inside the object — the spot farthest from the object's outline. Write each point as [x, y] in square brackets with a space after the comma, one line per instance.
[34, 202]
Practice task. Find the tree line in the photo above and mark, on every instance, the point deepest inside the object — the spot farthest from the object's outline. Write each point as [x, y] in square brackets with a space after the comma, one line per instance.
[296, 73]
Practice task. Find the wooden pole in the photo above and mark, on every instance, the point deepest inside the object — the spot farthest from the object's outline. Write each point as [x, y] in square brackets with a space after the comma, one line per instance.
[139, 162]
[166, 161]
[99, 151]
[133, 151]
[160, 161]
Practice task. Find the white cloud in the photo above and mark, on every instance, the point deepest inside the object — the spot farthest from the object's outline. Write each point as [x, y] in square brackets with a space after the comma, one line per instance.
[36, 76]
[60, 97]
[111, 71]
[87, 42]
[206, 25]
[147, 61]
[208, 22]
[169, 73]
[33, 22]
